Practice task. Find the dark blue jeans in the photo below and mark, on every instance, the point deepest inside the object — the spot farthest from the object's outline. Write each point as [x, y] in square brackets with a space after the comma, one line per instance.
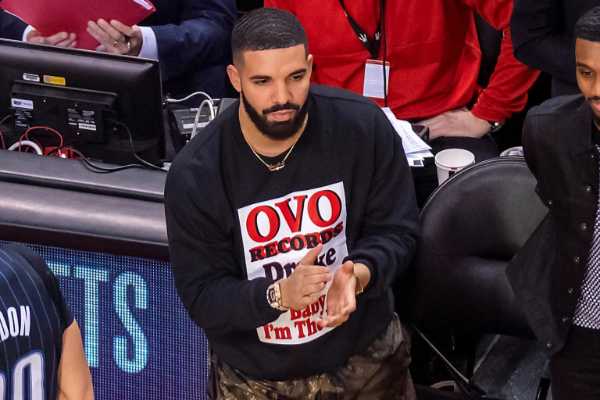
[575, 370]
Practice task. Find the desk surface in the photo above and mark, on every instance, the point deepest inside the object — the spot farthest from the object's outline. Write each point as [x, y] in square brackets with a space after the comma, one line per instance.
[59, 202]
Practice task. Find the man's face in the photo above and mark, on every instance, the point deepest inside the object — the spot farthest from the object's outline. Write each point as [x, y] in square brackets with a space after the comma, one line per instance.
[587, 55]
[274, 87]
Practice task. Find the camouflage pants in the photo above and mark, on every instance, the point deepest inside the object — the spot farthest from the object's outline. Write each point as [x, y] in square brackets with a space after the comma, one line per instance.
[381, 373]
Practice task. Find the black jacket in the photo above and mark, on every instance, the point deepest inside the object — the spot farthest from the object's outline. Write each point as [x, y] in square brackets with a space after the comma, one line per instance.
[548, 272]
[11, 27]
[194, 44]
[542, 35]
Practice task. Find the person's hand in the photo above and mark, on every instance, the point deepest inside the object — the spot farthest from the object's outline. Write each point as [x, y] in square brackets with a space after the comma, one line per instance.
[456, 123]
[341, 297]
[116, 38]
[61, 39]
[302, 288]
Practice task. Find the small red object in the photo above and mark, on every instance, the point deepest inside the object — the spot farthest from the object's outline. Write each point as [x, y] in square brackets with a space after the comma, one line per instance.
[61, 153]
[72, 16]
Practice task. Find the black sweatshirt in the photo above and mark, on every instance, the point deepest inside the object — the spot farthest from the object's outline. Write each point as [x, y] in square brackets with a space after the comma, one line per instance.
[234, 227]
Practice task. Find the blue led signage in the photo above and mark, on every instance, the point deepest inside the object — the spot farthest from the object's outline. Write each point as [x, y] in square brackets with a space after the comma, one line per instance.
[138, 338]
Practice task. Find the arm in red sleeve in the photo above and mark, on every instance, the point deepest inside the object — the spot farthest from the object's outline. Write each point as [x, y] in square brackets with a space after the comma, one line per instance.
[506, 92]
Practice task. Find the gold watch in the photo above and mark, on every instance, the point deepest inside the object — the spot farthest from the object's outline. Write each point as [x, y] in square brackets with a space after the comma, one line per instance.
[274, 297]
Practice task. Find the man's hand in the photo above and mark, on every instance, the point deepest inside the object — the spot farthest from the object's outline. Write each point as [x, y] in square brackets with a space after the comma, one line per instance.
[302, 288]
[114, 37]
[61, 39]
[341, 297]
[456, 123]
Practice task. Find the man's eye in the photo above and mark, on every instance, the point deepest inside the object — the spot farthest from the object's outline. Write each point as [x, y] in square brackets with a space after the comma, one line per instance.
[261, 82]
[297, 77]
[586, 73]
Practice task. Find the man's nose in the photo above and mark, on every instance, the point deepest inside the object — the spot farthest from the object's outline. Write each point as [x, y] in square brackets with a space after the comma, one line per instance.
[281, 93]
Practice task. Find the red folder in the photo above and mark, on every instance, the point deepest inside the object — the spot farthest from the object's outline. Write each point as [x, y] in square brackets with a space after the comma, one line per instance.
[72, 16]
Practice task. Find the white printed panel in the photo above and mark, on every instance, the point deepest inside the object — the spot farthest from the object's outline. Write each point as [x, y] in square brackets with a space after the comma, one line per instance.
[191, 126]
[20, 103]
[31, 77]
[88, 127]
[278, 233]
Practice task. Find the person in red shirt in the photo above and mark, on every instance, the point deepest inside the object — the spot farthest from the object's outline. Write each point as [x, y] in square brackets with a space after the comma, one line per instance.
[434, 57]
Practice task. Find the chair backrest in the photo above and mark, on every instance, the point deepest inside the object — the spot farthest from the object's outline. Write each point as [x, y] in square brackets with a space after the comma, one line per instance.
[472, 226]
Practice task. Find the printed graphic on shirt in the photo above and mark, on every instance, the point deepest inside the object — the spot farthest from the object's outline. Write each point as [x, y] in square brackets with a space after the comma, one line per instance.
[14, 322]
[278, 233]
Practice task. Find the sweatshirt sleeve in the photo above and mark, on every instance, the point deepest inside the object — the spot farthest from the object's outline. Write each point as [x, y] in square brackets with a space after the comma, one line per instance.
[506, 92]
[212, 287]
[390, 226]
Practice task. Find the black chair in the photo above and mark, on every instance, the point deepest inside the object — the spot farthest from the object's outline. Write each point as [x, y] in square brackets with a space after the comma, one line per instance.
[472, 225]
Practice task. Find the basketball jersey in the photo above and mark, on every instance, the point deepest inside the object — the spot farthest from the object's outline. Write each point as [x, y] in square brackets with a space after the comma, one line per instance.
[33, 317]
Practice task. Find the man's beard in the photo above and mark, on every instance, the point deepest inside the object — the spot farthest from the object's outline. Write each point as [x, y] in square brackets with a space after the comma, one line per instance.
[596, 117]
[277, 130]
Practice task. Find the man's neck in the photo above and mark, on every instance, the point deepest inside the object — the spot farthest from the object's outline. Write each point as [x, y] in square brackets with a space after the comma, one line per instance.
[261, 143]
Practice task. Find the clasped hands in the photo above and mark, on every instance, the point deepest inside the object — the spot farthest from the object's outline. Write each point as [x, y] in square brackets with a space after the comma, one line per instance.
[304, 285]
[459, 122]
[114, 37]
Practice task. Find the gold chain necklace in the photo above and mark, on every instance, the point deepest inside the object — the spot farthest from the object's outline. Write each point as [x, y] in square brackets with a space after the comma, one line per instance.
[272, 167]
[280, 164]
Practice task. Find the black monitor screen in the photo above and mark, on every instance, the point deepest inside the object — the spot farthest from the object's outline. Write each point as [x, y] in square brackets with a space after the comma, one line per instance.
[83, 95]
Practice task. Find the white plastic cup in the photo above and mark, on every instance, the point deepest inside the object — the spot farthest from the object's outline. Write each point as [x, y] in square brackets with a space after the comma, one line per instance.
[450, 161]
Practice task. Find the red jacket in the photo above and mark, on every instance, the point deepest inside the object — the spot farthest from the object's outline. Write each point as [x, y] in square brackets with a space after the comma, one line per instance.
[433, 49]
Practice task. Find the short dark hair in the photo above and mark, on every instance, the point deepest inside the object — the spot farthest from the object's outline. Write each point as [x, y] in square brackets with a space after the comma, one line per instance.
[588, 26]
[266, 29]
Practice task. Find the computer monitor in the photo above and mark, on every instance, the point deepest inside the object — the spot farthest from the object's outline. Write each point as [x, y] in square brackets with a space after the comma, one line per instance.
[82, 95]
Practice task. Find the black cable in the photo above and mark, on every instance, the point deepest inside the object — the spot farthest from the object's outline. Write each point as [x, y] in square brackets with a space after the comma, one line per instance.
[383, 35]
[93, 167]
[144, 162]
[88, 163]
[466, 385]
[5, 118]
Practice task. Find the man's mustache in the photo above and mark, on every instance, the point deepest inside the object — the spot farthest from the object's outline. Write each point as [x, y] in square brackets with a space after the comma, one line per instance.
[286, 106]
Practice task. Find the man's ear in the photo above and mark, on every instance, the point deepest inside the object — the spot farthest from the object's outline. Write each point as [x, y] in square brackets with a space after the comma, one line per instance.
[234, 77]
[310, 62]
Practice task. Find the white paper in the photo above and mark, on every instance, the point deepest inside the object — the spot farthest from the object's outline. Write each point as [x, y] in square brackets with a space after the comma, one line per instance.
[421, 154]
[144, 4]
[415, 162]
[414, 147]
[373, 85]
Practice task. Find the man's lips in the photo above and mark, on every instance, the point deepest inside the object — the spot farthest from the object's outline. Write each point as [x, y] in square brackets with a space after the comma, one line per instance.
[282, 115]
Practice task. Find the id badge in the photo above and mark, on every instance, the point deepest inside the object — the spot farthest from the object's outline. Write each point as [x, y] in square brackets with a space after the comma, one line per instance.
[373, 86]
